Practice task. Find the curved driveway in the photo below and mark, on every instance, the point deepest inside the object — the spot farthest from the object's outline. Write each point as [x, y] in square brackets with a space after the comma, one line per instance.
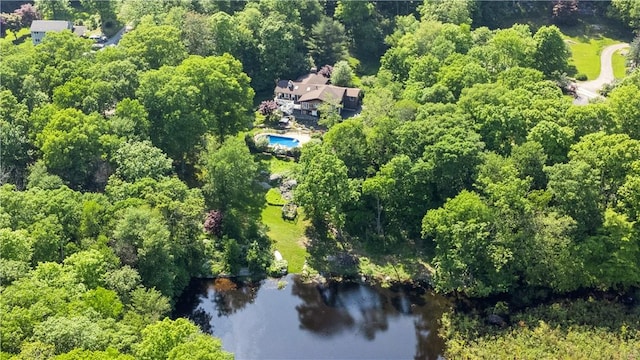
[589, 89]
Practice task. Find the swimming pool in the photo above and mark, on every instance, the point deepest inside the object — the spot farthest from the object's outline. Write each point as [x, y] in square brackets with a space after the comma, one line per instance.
[283, 141]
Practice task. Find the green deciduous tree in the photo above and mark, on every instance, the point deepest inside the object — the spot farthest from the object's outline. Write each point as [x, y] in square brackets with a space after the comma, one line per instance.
[467, 258]
[68, 333]
[15, 146]
[201, 346]
[530, 159]
[624, 102]
[150, 46]
[611, 156]
[162, 338]
[137, 160]
[348, 141]
[551, 55]
[90, 265]
[323, 188]
[71, 145]
[628, 11]
[54, 10]
[589, 119]
[141, 240]
[555, 140]
[453, 161]
[228, 175]
[365, 27]
[456, 12]
[184, 102]
[575, 187]
[341, 74]
[282, 50]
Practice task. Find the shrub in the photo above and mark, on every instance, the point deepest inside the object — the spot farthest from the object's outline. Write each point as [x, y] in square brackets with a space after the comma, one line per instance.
[581, 77]
[289, 211]
[274, 197]
[262, 143]
[278, 268]
[213, 222]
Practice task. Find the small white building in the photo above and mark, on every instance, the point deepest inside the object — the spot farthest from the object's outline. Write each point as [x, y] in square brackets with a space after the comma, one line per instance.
[40, 27]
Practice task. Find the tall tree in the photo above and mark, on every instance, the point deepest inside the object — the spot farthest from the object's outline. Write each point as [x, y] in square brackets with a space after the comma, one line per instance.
[150, 46]
[365, 28]
[141, 240]
[456, 12]
[323, 188]
[197, 35]
[468, 258]
[71, 145]
[341, 74]
[552, 54]
[54, 10]
[328, 42]
[624, 102]
[228, 173]
[137, 160]
[184, 102]
[170, 339]
[628, 11]
[282, 51]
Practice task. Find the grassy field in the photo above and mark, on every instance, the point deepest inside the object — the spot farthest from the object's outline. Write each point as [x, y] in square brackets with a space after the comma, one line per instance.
[287, 235]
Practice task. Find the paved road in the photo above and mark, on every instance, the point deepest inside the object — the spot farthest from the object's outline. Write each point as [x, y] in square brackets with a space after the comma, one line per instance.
[589, 89]
[115, 38]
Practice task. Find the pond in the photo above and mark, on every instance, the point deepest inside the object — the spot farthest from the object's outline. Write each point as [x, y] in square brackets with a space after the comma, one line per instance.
[307, 321]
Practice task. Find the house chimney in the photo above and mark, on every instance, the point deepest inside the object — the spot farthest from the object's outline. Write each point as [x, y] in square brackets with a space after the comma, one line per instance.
[290, 85]
[314, 70]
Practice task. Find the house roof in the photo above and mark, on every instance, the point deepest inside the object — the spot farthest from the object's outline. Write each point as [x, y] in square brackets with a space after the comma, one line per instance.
[314, 87]
[50, 25]
[79, 30]
[312, 78]
[324, 93]
[353, 92]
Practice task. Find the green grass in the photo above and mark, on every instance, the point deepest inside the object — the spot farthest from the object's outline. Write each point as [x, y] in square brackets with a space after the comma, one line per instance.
[585, 54]
[586, 42]
[619, 65]
[288, 236]
[277, 166]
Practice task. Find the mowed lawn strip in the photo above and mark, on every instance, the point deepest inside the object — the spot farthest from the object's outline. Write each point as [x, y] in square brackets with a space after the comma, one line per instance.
[288, 236]
[619, 63]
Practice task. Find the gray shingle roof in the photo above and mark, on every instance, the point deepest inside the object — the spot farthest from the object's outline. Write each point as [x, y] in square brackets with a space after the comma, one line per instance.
[50, 25]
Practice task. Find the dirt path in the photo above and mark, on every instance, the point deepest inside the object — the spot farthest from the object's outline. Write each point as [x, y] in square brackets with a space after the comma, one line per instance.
[589, 89]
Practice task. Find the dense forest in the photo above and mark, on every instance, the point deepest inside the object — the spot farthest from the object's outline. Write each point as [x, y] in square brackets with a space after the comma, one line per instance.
[125, 172]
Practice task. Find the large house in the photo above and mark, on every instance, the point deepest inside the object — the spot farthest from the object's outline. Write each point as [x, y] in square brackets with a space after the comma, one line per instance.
[308, 92]
[40, 27]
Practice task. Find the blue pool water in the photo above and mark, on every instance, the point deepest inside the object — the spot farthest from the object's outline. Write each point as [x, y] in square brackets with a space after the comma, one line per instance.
[283, 141]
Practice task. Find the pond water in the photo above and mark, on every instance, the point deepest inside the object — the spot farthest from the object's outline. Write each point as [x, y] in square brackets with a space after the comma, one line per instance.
[308, 321]
[283, 141]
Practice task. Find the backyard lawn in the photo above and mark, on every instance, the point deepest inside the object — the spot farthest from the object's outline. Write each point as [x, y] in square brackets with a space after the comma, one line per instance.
[288, 236]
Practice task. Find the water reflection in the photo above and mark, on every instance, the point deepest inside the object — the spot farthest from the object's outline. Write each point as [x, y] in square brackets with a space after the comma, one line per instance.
[335, 320]
[333, 308]
[231, 296]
